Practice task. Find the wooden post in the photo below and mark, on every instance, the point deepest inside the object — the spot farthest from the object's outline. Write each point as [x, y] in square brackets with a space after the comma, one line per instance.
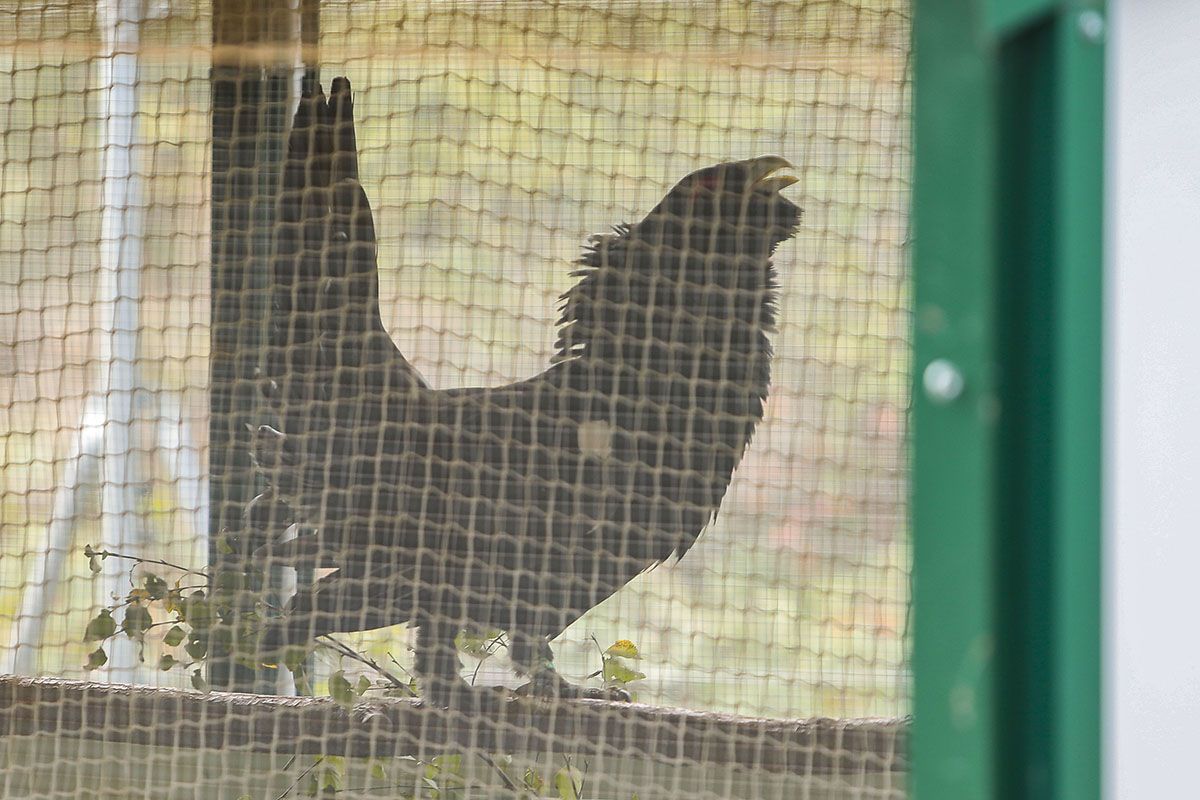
[386, 728]
[257, 61]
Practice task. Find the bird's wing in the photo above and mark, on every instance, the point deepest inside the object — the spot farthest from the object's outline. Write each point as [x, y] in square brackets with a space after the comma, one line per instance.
[545, 492]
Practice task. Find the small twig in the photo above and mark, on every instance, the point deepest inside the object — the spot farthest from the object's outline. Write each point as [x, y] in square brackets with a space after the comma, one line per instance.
[148, 627]
[596, 642]
[347, 651]
[578, 788]
[119, 633]
[300, 777]
[600, 649]
[367, 788]
[300, 681]
[512, 787]
[89, 552]
[488, 653]
[583, 777]
[399, 666]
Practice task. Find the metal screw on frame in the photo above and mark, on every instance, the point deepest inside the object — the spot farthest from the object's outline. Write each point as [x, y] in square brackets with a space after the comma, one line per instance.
[943, 381]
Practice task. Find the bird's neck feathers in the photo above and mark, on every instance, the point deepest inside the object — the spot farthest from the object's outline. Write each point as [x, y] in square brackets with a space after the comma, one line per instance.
[638, 299]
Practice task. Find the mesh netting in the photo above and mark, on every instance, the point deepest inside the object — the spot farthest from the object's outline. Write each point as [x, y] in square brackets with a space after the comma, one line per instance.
[164, 284]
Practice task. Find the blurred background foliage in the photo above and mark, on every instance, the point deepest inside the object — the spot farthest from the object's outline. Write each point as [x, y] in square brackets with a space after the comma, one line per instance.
[495, 136]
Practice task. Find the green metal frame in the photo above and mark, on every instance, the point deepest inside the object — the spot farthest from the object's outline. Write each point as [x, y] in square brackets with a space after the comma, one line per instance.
[1006, 508]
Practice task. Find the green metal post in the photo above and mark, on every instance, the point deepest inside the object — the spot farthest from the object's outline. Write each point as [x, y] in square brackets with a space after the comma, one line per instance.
[1078, 414]
[1007, 215]
[955, 589]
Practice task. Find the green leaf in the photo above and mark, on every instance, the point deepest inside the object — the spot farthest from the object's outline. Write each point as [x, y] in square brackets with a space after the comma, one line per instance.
[174, 636]
[230, 581]
[90, 552]
[101, 627]
[623, 648]
[331, 774]
[617, 673]
[198, 682]
[155, 586]
[378, 770]
[137, 620]
[166, 662]
[341, 690]
[196, 611]
[534, 781]
[94, 565]
[567, 781]
[363, 684]
[249, 661]
[197, 646]
[299, 672]
[331, 781]
[451, 763]
[311, 786]
[477, 644]
[220, 639]
[96, 659]
[294, 658]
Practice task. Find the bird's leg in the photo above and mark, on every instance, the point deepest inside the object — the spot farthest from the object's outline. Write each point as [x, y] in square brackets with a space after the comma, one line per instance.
[437, 663]
[532, 656]
[438, 667]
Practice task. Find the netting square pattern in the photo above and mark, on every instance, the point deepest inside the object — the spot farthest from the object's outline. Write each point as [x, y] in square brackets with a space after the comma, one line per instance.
[463, 372]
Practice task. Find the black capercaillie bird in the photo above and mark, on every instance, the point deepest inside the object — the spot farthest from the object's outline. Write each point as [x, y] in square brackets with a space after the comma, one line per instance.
[518, 507]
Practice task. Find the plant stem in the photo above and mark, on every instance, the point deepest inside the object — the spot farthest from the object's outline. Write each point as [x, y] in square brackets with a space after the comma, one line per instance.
[343, 649]
[110, 554]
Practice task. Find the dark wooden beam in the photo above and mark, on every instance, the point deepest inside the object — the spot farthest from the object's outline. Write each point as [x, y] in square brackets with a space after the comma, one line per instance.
[386, 728]
[251, 109]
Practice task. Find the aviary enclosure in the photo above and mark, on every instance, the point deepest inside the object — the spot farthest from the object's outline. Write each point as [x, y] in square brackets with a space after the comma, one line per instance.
[145, 149]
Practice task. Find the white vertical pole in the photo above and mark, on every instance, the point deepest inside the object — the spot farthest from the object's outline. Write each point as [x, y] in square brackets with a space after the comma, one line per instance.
[118, 296]
[178, 450]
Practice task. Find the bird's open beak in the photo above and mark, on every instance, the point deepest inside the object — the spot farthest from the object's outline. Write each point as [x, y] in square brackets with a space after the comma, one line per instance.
[762, 173]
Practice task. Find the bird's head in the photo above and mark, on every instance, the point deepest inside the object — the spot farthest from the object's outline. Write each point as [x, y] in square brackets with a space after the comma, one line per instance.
[734, 208]
[701, 256]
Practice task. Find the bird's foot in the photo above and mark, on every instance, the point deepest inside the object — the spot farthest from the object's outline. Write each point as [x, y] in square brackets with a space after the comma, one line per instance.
[461, 696]
[549, 685]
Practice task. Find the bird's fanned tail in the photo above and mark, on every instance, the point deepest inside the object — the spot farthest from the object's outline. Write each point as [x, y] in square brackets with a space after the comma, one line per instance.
[331, 361]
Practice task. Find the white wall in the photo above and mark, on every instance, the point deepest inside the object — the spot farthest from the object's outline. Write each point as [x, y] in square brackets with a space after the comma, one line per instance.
[1153, 440]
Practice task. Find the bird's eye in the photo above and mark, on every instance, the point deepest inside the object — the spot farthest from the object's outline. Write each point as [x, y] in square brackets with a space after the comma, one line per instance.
[709, 180]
